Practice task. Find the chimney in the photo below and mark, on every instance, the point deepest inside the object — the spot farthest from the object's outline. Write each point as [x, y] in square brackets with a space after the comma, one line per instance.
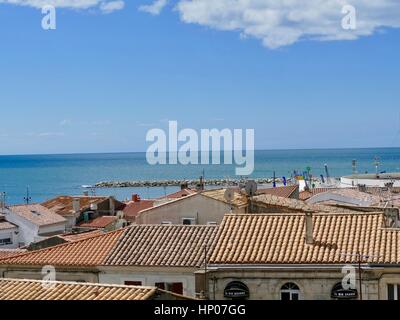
[135, 198]
[309, 228]
[76, 205]
[184, 185]
[112, 206]
[391, 217]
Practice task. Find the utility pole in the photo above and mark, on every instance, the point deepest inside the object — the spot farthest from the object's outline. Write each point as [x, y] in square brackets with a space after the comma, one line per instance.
[205, 272]
[360, 258]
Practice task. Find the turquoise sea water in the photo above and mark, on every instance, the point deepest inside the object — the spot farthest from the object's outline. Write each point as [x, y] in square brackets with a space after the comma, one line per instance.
[51, 175]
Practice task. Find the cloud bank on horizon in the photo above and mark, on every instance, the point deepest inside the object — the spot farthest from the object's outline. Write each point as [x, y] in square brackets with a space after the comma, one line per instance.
[275, 23]
[105, 6]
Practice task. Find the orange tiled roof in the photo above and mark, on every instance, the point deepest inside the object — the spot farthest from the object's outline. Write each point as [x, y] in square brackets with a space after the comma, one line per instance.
[99, 223]
[138, 245]
[284, 192]
[16, 289]
[162, 245]
[87, 252]
[239, 199]
[279, 239]
[294, 205]
[37, 214]
[133, 208]
[7, 253]
[63, 205]
[180, 194]
[70, 237]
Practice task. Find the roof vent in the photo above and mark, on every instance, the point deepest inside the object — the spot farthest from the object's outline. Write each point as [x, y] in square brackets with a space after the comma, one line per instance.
[392, 218]
[36, 213]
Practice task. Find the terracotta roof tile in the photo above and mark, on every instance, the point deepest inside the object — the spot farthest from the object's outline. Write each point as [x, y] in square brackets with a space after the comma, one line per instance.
[162, 245]
[99, 223]
[7, 253]
[284, 192]
[37, 214]
[4, 225]
[132, 208]
[63, 205]
[15, 289]
[239, 200]
[138, 245]
[268, 200]
[180, 194]
[70, 237]
[279, 239]
[87, 252]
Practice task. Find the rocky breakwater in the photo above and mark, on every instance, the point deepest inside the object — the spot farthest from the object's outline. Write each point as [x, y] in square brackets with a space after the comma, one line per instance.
[176, 183]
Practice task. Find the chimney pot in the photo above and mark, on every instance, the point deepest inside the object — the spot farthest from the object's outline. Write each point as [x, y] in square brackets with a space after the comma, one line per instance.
[76, 205]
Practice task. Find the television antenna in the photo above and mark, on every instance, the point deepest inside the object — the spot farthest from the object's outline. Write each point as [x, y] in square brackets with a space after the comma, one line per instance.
[27, 198]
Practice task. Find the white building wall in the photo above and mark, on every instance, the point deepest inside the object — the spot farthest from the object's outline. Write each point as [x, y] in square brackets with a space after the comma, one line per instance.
[201, 208]
[151, 278]
[9, 234]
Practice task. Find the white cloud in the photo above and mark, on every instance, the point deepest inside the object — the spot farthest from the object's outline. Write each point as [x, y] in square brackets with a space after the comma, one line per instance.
[104, 5]
[155, 8]
[282, 23]
[51, 134]
[108, 7]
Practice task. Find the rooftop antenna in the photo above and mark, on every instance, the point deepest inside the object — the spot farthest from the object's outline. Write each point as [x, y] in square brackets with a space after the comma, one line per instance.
[27, 198]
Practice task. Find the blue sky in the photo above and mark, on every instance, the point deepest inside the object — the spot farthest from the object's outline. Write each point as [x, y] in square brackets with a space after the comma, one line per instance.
[100, 81]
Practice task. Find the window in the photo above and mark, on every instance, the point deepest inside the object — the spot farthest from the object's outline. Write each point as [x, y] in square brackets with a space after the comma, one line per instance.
[133, 283]
[6, 241]
[188, 221]
[393, 291]
[175, 287]
[290, 292]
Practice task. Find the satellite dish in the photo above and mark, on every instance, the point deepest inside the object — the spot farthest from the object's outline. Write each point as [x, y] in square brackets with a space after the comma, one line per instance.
[229, 195]
[251, 188]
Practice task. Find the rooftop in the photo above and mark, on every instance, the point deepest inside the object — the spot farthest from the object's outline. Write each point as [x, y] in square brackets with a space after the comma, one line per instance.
[17, 289]
[4, 225]
[70, 237]
[239, 199]
[7, 253]
[62, 205]
[280, 239]
[133, 208]
[285, 192]
[294, 204]
[137, 245]
[180, 194]
[37, 214]
[99, 223]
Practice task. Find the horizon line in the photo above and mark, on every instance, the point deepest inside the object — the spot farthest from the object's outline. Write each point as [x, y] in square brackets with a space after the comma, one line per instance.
[132, 152]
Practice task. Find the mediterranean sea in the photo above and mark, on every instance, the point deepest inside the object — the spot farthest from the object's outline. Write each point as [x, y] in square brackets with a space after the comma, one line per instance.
[50, 175]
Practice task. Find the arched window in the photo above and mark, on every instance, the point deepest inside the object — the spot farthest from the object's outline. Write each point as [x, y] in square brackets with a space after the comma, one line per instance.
[290, 291]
